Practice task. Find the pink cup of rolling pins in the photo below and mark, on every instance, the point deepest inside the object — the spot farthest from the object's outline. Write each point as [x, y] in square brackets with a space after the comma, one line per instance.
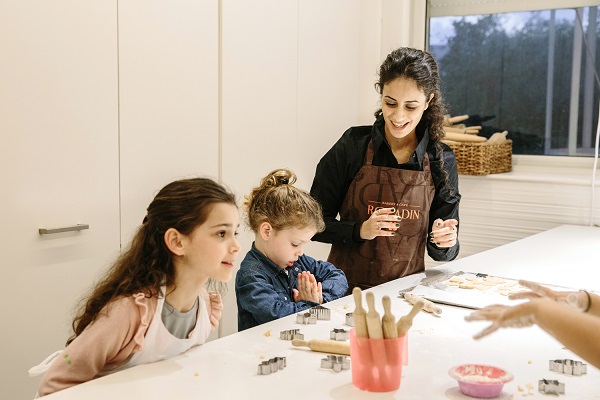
[377, 363]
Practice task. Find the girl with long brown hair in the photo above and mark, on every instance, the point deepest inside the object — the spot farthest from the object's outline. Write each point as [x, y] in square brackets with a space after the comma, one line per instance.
[153, 302]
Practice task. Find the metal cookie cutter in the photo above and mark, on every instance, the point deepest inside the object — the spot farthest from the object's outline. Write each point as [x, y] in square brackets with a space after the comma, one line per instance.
[568, 367]
[336, 363]
[339, 334]
[350, 319]
[291, 334]
[306, 318]
[322, 313]
[549, 386]
[272, 365]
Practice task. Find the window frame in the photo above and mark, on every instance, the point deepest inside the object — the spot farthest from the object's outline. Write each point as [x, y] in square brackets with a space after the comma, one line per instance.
[440, 8]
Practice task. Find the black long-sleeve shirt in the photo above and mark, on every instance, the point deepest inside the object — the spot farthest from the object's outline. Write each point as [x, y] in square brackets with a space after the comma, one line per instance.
[341, 163]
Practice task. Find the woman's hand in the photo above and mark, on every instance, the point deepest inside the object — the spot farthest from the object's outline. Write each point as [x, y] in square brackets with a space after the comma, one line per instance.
[216, 307]
[518, 316]
[308, 288]
[383, 222]
[444, 233]
[578, 300]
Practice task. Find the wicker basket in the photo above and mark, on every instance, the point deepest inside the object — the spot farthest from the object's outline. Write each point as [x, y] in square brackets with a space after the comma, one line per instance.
[474, 158]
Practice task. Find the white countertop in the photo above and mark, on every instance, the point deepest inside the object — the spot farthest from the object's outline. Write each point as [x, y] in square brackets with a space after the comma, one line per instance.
[227, 368]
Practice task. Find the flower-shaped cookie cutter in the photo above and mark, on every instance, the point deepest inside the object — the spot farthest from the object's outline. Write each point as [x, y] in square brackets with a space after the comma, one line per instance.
[291, 334]
[270, 366]
[350, 319]
[551, 386]
[306, 318]
[339, 334]
[322, 313]
[568, 367]
[335, 362]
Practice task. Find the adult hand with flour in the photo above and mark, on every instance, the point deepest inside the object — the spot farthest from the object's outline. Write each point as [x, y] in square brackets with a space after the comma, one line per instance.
[557, 314]
[580, 299]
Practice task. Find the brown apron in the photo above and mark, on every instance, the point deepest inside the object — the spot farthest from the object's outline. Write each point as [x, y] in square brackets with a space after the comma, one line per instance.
[384, 258]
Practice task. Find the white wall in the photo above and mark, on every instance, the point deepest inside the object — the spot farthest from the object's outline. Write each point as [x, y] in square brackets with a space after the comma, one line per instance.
[534, 197]
[168, 99]
[292, 82]
[59, 167]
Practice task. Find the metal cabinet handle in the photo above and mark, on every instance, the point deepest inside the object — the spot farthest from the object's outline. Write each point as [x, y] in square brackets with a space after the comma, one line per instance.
[78, 227]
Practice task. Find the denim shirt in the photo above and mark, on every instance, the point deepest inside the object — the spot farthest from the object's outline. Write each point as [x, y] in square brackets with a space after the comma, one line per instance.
[264, 291]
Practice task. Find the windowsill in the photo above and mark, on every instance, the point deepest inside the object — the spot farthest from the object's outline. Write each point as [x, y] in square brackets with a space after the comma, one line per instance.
[548, 169]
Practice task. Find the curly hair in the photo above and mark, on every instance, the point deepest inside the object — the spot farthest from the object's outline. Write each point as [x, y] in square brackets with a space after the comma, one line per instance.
[421, 67]
[148, 264]
[277, 201]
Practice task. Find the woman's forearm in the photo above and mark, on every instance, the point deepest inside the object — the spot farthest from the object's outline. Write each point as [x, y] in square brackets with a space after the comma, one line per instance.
[578, 331]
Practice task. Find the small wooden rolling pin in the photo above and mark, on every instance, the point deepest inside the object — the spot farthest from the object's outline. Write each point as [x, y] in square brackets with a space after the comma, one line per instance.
[464, 137]
[457, 119]
[427, 305]
[373, 321]
[359, 315]
[404, 323]
[378, 350]
[388, 321]
[324, 346]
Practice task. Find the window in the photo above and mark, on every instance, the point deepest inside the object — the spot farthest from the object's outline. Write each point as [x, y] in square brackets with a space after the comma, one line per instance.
[533, 73]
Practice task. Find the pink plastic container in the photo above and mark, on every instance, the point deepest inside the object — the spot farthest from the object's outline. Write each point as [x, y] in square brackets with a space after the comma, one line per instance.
[481, 381]
[377, 363]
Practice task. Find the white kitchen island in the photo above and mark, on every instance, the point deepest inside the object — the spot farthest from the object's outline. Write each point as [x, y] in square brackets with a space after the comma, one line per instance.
[227, 368]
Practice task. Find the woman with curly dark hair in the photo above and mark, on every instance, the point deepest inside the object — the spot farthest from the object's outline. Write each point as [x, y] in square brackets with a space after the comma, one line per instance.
[393, 184]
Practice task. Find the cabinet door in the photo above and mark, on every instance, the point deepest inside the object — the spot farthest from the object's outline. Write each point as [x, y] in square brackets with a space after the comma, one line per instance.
[58, 168]
[259, 104]
[168, 98]
[296, 75]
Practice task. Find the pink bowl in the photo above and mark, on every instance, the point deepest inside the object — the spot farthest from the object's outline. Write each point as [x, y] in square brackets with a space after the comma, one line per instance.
[478, 380]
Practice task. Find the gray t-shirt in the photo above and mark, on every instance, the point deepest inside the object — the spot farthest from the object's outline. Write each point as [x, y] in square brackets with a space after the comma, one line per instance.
[179, 324]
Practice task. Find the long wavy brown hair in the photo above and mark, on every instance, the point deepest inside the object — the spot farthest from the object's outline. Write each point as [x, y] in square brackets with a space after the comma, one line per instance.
[421, 67]
[148, 264]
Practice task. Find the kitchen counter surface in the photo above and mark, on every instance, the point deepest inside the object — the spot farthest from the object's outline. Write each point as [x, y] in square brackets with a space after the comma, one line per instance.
[227, 368]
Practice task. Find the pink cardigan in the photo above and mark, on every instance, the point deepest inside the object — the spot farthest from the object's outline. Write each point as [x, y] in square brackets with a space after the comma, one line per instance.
[104, 345]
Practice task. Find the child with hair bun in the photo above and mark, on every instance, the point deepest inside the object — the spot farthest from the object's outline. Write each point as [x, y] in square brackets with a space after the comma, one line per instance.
[276, 278]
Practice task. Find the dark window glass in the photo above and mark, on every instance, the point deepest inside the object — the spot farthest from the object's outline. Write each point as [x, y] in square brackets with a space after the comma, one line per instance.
[534, 74]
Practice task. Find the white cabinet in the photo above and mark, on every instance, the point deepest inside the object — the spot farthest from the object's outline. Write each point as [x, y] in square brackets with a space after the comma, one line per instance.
[102, 104]
[58, 167]
[99, 108]
[296, 75]
[168, 98]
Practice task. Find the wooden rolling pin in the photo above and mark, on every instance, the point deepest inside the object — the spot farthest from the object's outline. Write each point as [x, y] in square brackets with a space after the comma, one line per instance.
[457, 119]
[388, 321]
[324, 346]
[449, 142]
[463, 137]
[404, 323]
[427, 305]
[359, 315]
[454, 129]
[373, 321]
[378, 349]
[498, 138]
